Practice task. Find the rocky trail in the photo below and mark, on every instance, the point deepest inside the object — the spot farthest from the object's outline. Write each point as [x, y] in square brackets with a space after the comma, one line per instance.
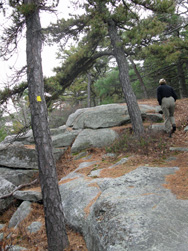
[133, 200]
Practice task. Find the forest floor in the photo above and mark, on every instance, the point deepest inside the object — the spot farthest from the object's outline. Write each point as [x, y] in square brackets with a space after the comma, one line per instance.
[155, 153]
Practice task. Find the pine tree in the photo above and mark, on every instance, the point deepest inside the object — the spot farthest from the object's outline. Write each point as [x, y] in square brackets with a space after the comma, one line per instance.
[54, 218]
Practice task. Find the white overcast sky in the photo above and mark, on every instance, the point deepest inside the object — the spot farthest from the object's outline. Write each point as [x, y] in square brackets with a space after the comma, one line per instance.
[49, 60]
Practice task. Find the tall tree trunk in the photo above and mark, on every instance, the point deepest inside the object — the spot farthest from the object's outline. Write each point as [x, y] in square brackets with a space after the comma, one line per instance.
[182, 82]
[139, 78]
[54, 218]
[130, 98]
[89, 90]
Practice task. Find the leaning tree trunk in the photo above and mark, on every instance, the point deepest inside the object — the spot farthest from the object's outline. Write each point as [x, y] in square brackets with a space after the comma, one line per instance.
[54, 218]
[130, 98]
[142, 85]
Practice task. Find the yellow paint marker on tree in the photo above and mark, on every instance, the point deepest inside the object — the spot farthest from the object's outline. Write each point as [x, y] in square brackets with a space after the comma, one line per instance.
[39, 99]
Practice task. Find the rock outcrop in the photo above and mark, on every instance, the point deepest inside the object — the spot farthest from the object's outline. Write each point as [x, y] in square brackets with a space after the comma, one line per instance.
[6, 187]
[106, 116]
[133, 212]
[21, 213]
[86, 128]
[125, 213]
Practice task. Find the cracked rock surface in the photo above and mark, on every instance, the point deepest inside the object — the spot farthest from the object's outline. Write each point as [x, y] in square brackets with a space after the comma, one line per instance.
[133, 212]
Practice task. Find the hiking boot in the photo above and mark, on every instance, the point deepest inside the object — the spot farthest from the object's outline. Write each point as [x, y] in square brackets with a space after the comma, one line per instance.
[173, 128]
[170, 134]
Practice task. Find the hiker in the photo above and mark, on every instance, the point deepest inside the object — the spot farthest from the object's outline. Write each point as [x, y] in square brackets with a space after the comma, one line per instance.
[167, 98]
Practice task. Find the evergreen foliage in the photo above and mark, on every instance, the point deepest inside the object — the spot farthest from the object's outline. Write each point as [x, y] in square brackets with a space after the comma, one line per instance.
[156, 39]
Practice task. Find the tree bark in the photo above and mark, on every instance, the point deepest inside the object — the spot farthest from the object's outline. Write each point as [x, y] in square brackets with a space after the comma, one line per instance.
[54, 218]
[139, 78]
[89, 90]
[130, 98]
[182, 82]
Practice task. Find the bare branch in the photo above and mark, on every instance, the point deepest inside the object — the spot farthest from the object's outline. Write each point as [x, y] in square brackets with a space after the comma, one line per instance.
[17, 188]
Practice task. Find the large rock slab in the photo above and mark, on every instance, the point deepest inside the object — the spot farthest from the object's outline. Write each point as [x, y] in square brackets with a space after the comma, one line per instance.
[58, 152]
[34, 227]
[133, 212]
[21, 213]
[105, 116]
[94, 138]
[75, 200]
[65, 139]
[158, 127]
[26, 137]
[58, 130]
[18, 156]
[6, 187]
[153, 117]
[136, 212]
[98, 117]
[17, 176]
[179, 149]
[28, 195]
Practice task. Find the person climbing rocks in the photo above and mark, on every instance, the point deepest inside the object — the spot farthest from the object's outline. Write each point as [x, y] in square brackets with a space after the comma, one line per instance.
[166, 98]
